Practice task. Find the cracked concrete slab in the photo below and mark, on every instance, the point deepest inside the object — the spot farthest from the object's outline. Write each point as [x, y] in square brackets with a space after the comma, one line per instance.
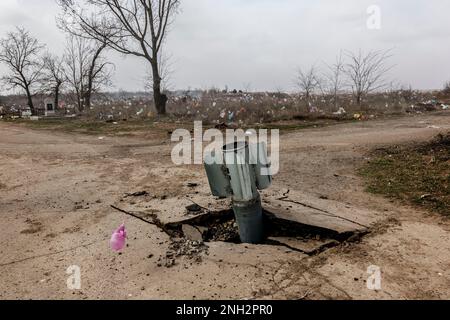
[291, 205]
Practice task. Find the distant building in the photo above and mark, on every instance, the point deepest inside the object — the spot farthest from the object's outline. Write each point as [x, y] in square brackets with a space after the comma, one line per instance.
[49, 107]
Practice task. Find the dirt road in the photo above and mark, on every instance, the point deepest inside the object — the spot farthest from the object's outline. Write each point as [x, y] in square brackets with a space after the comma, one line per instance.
[56, 190]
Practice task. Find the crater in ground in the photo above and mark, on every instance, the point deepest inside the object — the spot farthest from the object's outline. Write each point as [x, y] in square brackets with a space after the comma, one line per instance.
[222, 227]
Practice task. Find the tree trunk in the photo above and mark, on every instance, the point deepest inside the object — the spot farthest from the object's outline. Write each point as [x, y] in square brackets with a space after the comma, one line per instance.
[57, 96]
[30, 101]
[158, 97]
[335, 98]
[87, 99]
[359, 99]
[80, 100]
[88, 93]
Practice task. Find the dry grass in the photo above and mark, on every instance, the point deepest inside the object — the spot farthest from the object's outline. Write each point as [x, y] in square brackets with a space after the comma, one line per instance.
[414, 174]
[213, 107]
[161, 128]
[88, 127]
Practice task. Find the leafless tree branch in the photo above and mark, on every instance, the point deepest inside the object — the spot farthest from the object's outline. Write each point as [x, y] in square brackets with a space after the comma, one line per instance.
[308, 81]
[87, 71]
[334, 79]
[131, 27]
[367, 72]
[19, 51]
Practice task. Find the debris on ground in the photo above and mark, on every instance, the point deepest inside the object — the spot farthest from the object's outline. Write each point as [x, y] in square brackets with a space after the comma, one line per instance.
[81, 205]
[137, 194]
[223, 231]
[221, 126]
[192, 233]
[194, 208]
[340, 112]
[192, 185]
[180, 247]
[427, 106]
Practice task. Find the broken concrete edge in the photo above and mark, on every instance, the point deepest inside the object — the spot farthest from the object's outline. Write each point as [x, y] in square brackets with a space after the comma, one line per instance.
[290, 244]
[200, 219]
[192, 233]
[344, 211]
[196, 228]
[314, 218]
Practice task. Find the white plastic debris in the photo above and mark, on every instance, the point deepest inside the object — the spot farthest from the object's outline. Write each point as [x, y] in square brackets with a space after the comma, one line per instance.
[249, 133]
[340, 112]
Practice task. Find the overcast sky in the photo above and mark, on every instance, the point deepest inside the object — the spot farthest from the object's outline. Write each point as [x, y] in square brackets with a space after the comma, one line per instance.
[262, 42]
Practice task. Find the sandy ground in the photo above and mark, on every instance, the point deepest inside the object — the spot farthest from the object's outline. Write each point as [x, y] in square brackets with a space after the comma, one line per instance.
[56, 190]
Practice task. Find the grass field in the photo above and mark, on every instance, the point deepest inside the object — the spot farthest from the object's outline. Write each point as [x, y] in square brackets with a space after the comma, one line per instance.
[415, 174]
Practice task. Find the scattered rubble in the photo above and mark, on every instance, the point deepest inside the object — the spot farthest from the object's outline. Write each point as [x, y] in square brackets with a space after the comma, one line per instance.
[223, 231]
[298, 222]
[181, 247]
[194, 208]
[137, 194]
[192, 185]
[192, 233]
[428, 106]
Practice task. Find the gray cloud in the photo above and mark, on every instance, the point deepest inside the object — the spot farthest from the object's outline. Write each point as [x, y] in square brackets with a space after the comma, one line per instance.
[262, 42]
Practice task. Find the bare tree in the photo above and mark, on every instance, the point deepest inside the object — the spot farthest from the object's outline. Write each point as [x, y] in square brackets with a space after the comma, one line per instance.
[19, 51]
[334, 78]
[131, 27]
[308, 81]
[53, 75]
[366, 72]
[99, 70]
[447, 87]
[247, 86]
[87, 71]
[76, 66]
[166, 70]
